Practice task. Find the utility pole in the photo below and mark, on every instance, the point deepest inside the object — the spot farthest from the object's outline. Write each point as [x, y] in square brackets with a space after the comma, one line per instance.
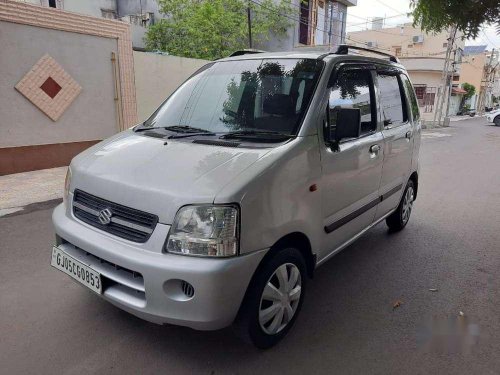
[249, 18]
[442, 89]
[450, 87]
[482, 95]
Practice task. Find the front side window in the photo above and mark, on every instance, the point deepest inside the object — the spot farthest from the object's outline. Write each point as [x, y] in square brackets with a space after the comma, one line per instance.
[261, 95]
[391, 103]
[352, 89]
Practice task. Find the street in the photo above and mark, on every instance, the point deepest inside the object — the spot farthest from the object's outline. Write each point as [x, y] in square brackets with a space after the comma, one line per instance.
[425, 300]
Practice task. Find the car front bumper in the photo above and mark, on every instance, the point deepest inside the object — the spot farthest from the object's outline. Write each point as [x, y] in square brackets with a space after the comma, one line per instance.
[142, 280]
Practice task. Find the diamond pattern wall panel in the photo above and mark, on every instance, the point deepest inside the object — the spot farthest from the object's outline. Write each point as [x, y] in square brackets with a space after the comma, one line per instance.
[49, 87]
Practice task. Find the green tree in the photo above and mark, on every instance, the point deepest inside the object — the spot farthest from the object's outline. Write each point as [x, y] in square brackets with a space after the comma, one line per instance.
[471, 90]
[469, 16]
[211, 29]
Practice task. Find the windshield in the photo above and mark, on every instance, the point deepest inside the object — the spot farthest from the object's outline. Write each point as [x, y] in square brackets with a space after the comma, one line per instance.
[247, 95]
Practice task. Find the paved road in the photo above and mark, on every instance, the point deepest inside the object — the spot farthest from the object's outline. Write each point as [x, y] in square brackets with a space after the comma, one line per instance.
[48, 324]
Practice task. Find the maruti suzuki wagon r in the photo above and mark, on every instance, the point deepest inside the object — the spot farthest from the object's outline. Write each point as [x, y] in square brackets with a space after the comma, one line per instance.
[217, 209]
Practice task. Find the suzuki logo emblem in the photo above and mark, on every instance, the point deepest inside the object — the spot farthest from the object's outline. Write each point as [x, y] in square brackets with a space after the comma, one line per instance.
[105, 216]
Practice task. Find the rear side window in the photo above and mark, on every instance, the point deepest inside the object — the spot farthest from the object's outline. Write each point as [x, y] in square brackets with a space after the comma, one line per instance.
[391, 102]
[353, 89]
[412, 99]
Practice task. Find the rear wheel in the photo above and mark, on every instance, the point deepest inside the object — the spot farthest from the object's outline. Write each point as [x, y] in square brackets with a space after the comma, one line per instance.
[399, 218]
[497, 120]
[273, 300]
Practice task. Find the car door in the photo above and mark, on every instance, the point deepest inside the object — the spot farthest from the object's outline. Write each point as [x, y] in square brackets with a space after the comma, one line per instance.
[351, 169]
[398, 139]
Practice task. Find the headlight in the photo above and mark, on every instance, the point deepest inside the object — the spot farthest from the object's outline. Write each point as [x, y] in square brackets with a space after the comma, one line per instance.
[205, 231]
[67, 182]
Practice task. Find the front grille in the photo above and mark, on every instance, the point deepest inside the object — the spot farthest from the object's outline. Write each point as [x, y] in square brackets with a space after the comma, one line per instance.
[125, 222]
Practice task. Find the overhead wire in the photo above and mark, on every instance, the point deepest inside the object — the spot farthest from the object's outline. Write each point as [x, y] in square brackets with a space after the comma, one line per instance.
[365, 43]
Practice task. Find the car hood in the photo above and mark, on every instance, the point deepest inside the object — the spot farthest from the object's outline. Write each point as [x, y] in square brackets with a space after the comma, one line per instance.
[146, 174]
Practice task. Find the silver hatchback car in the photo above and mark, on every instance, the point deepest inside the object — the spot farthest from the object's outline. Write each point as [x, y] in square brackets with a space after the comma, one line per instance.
[258, 169]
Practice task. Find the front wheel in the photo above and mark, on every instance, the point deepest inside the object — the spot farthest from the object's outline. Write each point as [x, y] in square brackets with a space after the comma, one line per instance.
[273, 300]
[497, 120]
[399, 218]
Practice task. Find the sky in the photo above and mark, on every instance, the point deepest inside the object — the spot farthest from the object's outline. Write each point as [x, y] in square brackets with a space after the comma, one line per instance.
[395, 10]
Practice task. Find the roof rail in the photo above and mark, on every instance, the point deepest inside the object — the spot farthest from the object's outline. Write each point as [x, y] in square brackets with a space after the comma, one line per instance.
[344, 50]
[245, 52]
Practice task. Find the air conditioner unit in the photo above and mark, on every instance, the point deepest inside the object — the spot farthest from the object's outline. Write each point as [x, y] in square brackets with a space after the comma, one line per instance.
[371, 44]
[418, 39]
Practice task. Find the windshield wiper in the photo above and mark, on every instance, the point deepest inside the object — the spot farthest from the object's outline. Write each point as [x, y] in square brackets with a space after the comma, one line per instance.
[174, 128]
[189, 135]
[186, 129]
[267, 134]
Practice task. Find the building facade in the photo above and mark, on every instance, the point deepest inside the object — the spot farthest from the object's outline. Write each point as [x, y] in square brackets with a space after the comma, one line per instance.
[423, 55]
[480, 68]
[138, 13]
[316, 24]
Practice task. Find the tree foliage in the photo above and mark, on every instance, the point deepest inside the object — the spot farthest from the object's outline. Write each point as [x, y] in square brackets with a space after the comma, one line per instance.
[468, 15]
[471, 90]
[211, 29]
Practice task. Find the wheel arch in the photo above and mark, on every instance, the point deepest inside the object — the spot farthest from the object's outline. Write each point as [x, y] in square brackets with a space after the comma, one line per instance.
[297, 240]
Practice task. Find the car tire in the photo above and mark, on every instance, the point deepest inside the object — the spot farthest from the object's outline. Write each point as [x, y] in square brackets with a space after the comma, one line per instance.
[399, 218]
[496, 120]
[266, 316]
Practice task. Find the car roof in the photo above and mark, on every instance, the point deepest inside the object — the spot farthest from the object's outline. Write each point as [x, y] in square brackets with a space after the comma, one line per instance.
[275, 55]
[321, 55]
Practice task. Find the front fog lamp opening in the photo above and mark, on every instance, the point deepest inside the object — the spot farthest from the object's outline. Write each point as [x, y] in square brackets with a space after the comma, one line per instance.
[210, 231]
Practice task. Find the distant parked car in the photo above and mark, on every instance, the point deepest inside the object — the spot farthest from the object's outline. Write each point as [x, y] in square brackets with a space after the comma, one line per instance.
[494, 117]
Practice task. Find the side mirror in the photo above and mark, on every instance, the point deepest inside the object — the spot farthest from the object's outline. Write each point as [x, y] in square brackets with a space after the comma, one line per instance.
[348, 123]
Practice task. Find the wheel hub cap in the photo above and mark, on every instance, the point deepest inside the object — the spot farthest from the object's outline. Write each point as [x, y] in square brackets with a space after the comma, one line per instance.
[407, 204]
[280, 298]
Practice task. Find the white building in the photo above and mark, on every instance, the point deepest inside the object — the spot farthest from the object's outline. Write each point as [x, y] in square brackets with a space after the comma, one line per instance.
[138, 13]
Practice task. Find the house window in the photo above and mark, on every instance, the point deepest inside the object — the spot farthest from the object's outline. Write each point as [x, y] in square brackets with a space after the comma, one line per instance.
[425, 97]
[445, 45]
[429, 99]
[52, 4]
[410, 45]
[109, 14]
[420, 91]
[398, 51]
[304, 22]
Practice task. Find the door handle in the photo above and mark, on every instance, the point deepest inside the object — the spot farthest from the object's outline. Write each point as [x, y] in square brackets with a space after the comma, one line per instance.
[374, 149]
[408, 134]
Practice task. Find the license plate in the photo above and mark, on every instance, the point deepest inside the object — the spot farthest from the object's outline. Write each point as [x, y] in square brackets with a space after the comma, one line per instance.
[76, 269]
